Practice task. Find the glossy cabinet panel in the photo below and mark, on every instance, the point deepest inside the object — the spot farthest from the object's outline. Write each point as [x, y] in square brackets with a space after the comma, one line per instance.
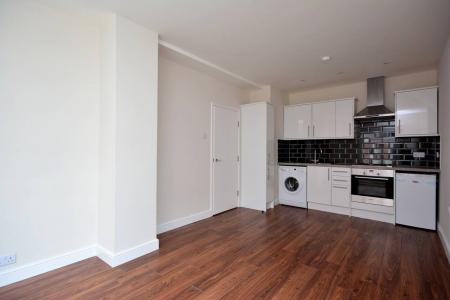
[323, 119]
[416, 112]
[297, 121]
[331, 119]
[319, 185]
[345, 111]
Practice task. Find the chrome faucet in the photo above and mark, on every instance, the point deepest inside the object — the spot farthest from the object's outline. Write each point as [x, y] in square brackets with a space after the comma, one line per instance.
[315, 160]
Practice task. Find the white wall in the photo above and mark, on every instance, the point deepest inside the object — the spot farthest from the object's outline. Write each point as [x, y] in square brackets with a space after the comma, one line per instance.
[106, 212]
[49, 89]
[128, 127]
[278, 100]
[359, 89]
[185, 97]
[78, 104]
[258, 94]
[444, 125]
[136, 134]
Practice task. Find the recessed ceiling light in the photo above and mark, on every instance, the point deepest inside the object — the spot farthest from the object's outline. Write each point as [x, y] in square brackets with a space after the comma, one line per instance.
[326, 58]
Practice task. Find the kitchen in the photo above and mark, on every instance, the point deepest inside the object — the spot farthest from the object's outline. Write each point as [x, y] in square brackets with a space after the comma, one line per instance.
[225, 150]
[376, 164]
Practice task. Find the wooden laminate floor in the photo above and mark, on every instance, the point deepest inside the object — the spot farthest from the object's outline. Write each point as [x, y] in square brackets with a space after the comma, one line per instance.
[243, 254]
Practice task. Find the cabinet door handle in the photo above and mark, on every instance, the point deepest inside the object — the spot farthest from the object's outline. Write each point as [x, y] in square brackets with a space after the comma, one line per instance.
[349, 129]
[339, 187]
[314, 127]
[340, 180]
[328, 174]
[308, 130]
[399, 128]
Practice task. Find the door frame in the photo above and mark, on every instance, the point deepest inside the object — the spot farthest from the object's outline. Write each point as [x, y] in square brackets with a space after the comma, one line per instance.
[211, 154]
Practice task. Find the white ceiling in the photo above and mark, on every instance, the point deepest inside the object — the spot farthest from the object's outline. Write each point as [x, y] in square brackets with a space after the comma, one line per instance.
[280, 42]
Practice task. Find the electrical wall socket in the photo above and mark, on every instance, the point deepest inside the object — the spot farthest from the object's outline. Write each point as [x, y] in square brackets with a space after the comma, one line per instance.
[7, 259]
[418, 154]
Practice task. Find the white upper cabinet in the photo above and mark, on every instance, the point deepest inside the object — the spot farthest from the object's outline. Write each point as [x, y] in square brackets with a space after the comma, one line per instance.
[324, 120]
[345, 111]
[297, 121]
[416, 112]
[321, 120]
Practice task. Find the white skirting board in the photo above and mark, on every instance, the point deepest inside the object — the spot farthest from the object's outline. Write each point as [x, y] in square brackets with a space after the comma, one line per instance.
[184, 221]
[59, 261]
[113, 260]
[371, 215]
[46, 265]
[329, 208]
[116, 259]
[374, 216]
[444, 241]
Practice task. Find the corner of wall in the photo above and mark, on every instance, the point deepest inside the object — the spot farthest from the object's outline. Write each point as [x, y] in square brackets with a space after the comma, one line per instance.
[444, 240]
[116, 259]
[444, 123]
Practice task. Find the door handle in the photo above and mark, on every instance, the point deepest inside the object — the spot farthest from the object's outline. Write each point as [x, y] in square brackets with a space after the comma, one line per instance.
[217, 160]
[339, 187]
[372, 178]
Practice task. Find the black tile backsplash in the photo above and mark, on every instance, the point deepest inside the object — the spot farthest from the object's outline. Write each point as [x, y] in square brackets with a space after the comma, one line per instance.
[374, 144]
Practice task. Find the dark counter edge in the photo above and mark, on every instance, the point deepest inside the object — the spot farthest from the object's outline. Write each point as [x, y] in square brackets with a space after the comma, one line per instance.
[400, 169]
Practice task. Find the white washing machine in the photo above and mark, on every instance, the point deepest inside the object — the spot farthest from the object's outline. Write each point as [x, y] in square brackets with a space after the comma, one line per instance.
[292, 185]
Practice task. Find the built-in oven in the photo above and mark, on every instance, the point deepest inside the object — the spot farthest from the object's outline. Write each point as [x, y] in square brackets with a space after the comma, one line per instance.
[373, 186]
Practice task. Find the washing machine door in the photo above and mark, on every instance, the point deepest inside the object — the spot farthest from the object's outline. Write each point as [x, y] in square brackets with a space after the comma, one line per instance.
[292, 185]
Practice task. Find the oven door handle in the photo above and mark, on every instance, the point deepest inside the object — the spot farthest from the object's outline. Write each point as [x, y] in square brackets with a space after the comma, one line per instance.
[374, 178]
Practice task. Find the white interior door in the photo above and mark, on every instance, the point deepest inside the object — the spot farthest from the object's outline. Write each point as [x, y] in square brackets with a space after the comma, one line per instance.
[225, 151]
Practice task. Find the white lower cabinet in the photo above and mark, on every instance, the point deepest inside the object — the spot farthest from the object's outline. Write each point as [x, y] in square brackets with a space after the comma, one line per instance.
[341, 187]
[319, 185]
[340, 196]
[329, 189]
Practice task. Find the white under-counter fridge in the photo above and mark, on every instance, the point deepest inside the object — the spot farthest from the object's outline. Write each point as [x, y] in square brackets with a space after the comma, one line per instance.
[415, 200]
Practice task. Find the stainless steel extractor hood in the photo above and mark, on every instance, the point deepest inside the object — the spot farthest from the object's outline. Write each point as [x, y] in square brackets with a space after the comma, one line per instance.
[375, 100]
